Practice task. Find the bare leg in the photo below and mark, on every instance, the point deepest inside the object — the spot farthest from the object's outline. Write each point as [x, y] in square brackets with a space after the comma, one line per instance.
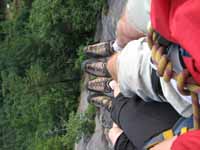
[114, 133]
[126, 32]
[112, 66]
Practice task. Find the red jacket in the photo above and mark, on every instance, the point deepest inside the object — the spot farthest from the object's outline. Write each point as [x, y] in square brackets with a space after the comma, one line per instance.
[188, 141]
[179, 22]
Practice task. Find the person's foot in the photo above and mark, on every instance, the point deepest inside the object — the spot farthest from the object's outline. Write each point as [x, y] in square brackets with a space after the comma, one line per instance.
[100, 85]
[103, 49]
[96, 67]
[100, 100]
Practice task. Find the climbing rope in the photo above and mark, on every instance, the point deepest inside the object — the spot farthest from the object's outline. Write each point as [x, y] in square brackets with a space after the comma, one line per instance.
[185, 83]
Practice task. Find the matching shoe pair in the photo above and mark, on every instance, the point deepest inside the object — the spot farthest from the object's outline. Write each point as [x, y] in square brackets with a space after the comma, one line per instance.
[97, 67]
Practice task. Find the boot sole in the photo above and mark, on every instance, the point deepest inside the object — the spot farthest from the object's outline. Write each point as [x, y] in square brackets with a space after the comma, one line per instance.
[92, 73]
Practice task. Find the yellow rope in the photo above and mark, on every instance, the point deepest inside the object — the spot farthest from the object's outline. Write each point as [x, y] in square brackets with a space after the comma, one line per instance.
[185, 83]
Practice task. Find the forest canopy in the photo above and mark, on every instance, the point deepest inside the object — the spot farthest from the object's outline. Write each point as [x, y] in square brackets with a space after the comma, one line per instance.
[40, 54]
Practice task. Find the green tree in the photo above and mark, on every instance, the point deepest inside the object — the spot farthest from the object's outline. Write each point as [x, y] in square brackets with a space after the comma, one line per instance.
[40, 60]
[78, 126]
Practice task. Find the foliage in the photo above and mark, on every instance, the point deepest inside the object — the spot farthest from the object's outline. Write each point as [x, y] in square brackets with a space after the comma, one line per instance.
[81, 13]
[78, 126]
[52, 143]
[32, 105]
[41, 46]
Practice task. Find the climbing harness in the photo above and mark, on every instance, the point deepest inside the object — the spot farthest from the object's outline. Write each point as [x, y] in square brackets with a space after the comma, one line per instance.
[166, 135]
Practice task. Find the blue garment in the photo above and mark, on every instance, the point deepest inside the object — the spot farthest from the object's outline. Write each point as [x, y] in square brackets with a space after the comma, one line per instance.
[181, 123]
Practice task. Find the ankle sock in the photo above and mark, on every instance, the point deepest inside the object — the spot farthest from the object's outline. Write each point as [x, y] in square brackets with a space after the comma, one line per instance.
[116, 47]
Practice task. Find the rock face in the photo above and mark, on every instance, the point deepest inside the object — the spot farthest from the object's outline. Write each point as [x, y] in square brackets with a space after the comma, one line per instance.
[105, 31]
[107, 25]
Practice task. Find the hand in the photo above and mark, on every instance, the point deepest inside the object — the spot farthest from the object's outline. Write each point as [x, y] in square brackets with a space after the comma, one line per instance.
[165, 145]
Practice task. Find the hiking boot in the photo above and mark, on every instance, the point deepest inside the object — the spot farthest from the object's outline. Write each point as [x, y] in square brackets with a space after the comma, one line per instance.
[100, 85]
[100, 100]
[96, 67]
[103, 49]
